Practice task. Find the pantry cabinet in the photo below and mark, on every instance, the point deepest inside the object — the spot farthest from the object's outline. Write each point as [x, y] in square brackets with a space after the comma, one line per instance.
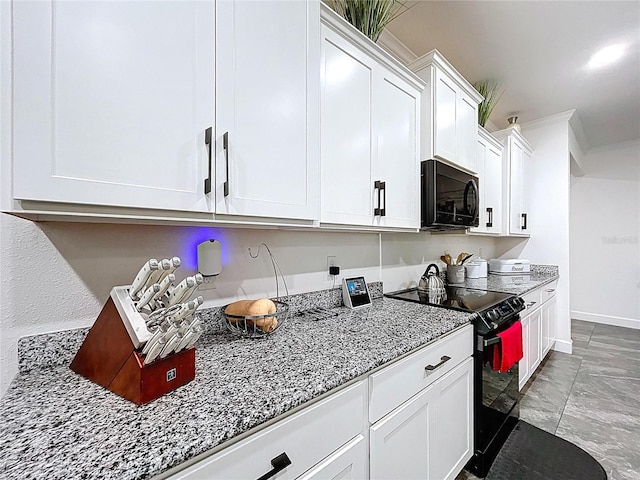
[369, 132]
[449, 112]
[517, 173]
[267, 90]
[490, 173]
[111, 101]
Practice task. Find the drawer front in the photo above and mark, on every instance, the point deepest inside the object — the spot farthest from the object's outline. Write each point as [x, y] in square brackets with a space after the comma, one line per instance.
[306, 437]
[395, 384]
[549, 290]
[532, 300]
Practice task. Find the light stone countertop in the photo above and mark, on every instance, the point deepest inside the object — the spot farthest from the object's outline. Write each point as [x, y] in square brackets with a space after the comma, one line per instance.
[55, 424]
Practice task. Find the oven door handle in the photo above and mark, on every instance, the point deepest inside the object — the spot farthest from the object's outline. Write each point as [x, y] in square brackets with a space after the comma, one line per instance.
[491, 341]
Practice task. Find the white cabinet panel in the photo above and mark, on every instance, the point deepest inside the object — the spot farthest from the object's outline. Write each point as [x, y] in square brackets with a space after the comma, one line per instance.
[446, 137]
[111, 101]
[490, 171]
[268, 98]
[346, 463]
[534, 345]
[400, 446]
[467, 125]
[396, 117]
[346, 126]
[451, 433]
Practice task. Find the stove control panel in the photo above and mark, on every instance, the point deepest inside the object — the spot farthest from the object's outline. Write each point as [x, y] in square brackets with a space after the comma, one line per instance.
[491, 319]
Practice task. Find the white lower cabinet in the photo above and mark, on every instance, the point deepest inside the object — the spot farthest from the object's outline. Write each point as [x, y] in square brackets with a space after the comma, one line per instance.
[308, 438]
[366, 430]
[430, 435]
[538, 330]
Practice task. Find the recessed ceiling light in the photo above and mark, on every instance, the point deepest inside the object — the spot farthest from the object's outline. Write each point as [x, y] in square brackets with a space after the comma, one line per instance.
[607, 55]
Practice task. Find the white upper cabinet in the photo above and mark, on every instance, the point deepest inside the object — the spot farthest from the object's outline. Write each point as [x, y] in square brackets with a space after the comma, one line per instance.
[111, 101]
[267, 117]
[517, 164]
[449, 112]
[370, 108]
[490, 172]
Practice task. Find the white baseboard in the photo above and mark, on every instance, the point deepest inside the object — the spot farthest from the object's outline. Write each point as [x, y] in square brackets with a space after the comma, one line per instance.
[564, 346]
[606, 319]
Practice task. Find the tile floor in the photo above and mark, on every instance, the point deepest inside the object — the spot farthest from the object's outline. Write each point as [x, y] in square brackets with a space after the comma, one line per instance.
[592, 397]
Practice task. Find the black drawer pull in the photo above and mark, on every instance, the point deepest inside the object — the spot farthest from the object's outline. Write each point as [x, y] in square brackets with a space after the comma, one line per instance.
[490, 215]
[278, 463]
[444, 359]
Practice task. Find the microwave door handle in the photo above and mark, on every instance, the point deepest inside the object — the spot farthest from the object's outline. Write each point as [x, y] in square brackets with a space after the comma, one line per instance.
[471, 188]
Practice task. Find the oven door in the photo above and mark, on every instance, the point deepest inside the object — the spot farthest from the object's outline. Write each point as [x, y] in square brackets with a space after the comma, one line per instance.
[496, 400]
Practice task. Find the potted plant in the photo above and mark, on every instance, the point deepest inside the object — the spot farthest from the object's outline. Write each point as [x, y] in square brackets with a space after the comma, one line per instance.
[368, 16]
[489, 90]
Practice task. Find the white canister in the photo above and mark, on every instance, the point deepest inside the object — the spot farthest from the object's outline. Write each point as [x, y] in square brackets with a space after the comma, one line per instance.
[477, 269]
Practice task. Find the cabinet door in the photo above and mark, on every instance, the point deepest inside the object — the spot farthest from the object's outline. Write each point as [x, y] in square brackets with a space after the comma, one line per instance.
[346, 132]
[400, 444]
[516, 176]
[346, 463]
[267, 160]
[525, 200]
[523, 364]
[467, 131]
[451, 426]
[493, 189]
[535, 346]
[111, 102]
[483, 214]
[445, 137]
[395, 121]
[548, 328]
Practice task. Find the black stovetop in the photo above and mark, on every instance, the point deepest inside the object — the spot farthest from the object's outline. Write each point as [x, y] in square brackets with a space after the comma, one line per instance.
[457, 298]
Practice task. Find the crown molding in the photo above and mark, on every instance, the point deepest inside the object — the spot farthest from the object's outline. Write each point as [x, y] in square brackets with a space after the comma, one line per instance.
[393, 45]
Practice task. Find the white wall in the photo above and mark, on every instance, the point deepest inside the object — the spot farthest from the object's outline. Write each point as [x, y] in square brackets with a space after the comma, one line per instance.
[604, 229]
[549, 241]
[56, 276]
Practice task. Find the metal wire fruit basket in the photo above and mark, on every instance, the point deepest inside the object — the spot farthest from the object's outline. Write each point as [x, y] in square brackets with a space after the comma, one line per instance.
[248, 322]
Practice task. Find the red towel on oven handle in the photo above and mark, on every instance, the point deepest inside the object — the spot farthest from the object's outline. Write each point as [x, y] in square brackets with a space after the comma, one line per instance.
[509, 350]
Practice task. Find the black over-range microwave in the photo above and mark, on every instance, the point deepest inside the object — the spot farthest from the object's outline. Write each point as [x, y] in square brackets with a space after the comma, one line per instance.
[449, 197]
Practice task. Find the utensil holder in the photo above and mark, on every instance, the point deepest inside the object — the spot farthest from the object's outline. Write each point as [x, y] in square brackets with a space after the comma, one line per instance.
[109, 357]
[455, 274]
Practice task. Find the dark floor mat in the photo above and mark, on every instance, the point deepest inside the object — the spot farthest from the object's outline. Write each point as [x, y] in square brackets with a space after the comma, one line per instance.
[533, 454]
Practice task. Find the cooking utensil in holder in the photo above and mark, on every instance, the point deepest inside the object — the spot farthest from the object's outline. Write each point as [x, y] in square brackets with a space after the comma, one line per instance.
[110, 356]
[258, 326]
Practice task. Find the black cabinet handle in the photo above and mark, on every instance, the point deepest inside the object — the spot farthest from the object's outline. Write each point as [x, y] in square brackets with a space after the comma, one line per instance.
[377, 185]
[208, 133]
[383, 210]
[490, 214]
[524, 218]
[225, 146]
[278, 463]
[444, 359]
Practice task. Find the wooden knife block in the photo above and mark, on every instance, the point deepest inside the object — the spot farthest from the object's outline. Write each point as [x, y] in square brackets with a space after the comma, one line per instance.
[108, 357]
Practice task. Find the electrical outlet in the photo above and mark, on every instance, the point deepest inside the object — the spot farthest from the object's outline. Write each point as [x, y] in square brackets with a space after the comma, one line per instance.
[332, 261]
[209, 283]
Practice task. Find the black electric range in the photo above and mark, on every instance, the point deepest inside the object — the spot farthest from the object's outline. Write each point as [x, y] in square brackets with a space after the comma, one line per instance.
[496, 395]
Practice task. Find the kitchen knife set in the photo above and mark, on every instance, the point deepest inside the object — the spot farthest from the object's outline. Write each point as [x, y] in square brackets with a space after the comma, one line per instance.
[166, 308]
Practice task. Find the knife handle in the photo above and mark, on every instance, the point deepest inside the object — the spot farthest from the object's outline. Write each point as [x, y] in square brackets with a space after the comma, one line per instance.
[143, 275]
[156, 275]
[165, 283]
[174, 263]
[181, 289]
[155, 351]
[147, 296]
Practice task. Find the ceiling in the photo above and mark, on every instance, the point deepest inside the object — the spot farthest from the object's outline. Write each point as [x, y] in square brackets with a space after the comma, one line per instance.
[537, 51]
